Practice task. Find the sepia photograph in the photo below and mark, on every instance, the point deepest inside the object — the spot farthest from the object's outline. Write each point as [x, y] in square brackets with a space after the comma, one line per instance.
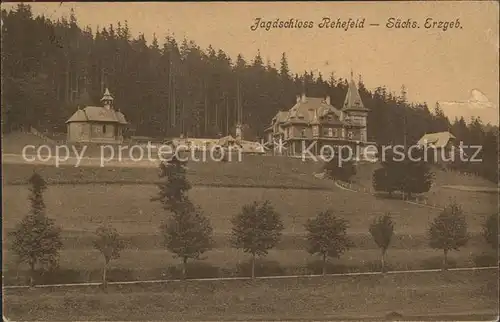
[250, 161]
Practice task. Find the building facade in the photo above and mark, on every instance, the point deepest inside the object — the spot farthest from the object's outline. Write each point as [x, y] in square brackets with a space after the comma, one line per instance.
[441, 147]
[314, 122]
[96, 124]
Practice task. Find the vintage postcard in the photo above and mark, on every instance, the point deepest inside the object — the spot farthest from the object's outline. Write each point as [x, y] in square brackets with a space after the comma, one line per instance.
[246, 161]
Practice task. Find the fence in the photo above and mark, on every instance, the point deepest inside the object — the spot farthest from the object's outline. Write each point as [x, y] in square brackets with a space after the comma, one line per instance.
[41, 135]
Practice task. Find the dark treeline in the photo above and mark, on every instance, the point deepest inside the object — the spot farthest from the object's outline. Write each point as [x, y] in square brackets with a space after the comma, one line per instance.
[51, 67]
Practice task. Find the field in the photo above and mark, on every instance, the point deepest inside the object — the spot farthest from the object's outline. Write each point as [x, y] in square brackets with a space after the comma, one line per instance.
[252, 171]
[83, 198]
[81, 208]
[450, 295]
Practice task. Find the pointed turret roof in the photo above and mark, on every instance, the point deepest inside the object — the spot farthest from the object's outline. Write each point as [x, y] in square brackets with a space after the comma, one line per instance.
[353, 100]
[107, 96]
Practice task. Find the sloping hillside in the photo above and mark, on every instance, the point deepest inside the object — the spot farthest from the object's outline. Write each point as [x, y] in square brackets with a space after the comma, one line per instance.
[480, 199]
[364, 177]
[256, 171]
[15, 142]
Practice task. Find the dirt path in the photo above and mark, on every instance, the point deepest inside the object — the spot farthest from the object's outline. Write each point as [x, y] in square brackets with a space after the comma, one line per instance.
[472, 188]
[470, 269]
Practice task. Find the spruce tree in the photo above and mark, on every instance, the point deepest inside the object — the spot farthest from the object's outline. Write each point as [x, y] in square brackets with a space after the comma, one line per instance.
[187, 232]
[36, 239]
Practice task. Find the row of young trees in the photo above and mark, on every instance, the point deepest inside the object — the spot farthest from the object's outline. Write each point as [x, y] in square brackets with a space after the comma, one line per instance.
[173, 86]
[256, 229]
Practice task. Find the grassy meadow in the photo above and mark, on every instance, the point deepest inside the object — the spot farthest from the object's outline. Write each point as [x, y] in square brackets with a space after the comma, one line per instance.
[252, 171]
[80, 208]
[83, 198]
[449, 295]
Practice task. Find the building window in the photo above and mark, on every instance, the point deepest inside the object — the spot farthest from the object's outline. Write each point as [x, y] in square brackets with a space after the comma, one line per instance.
[330, 132]
[104, 129]
[315, 130]
[335, 132]
[349, 134]
[303, 133]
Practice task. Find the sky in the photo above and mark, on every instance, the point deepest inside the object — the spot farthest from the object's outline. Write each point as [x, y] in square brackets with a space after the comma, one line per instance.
[434, 65]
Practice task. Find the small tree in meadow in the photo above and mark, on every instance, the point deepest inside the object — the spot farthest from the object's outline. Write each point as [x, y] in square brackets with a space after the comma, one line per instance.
[327, 236]
[256, 230]
[382, 230]
[448, 231]
[490, 231]
[188, 234]
[174, 188]
[36, 239]
[110, 245]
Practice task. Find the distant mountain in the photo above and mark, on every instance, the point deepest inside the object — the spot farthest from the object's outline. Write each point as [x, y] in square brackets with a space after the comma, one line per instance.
[478, 105]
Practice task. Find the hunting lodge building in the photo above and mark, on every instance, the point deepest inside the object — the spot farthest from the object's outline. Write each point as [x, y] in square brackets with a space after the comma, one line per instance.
[316, 121]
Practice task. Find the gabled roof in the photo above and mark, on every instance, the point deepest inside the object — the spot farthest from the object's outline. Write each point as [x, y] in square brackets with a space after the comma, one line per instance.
[280, 117]
[438, 140]
[311, 111]
[353, 100]
[97, 114]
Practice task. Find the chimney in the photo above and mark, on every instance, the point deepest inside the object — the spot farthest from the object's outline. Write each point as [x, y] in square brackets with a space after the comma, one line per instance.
[303, 99]
[298, 98]
[327, 100]
[238, 132]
